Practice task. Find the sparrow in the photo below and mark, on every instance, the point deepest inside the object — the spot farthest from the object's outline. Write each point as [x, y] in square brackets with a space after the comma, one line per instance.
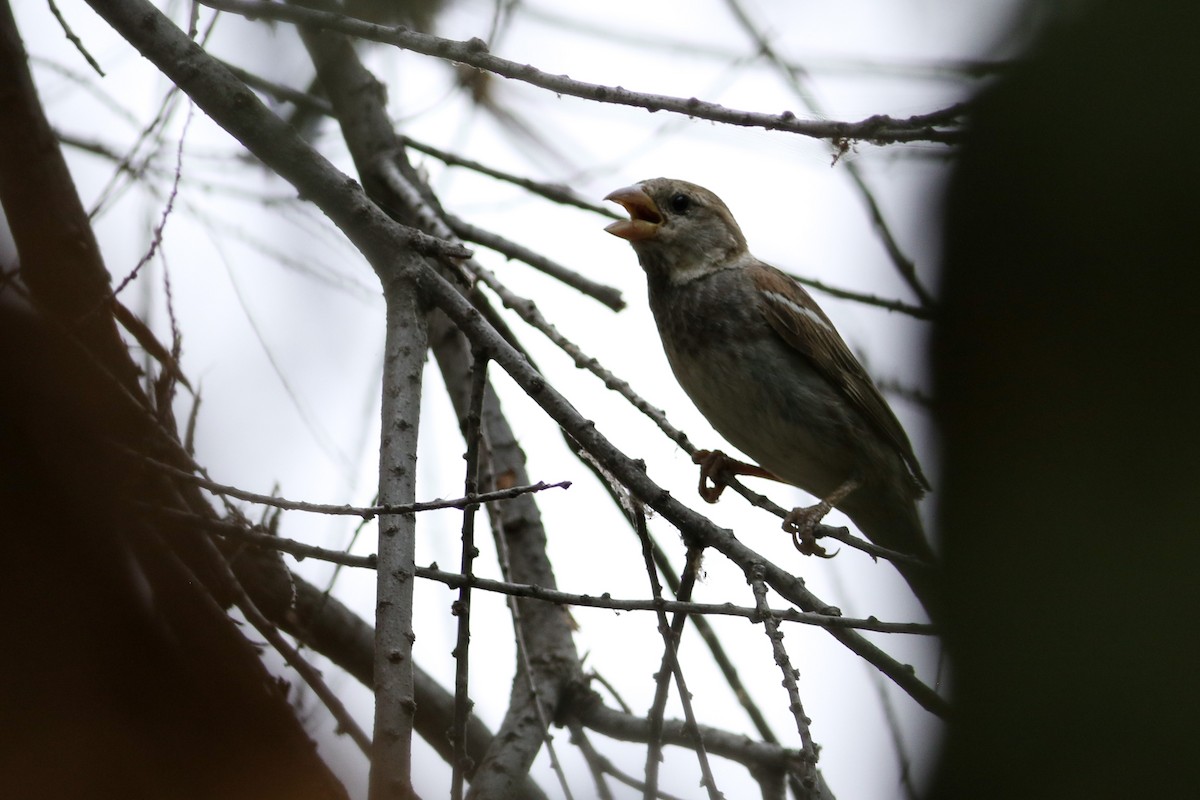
[765, 366]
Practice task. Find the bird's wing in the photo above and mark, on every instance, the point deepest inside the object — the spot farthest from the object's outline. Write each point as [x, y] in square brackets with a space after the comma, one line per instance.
[802, 324]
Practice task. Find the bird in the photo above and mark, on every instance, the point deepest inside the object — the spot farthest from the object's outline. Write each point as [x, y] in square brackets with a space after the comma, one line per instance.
[768, 370]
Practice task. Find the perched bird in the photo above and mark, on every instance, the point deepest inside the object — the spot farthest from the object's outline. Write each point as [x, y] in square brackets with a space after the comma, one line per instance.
[766, 367]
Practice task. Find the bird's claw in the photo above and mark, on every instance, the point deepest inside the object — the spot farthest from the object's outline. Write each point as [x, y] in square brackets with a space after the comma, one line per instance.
[802, 523]
[716, 469]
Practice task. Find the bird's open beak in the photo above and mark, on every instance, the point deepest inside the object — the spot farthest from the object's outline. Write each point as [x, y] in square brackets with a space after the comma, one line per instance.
[644, 218]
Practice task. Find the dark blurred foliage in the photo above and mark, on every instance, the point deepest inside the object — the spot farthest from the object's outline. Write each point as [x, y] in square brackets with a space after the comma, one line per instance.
[1066, 365]
[121, 674]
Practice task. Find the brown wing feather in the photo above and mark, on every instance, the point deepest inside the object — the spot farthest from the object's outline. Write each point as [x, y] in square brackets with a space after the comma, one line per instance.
[801, 323]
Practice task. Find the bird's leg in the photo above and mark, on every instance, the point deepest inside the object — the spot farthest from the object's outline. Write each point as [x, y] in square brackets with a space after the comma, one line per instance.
[802, 522]
[716, 468]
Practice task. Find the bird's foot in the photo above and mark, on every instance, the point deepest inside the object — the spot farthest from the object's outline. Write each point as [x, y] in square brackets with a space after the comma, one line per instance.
[716, 469]
[802, 522]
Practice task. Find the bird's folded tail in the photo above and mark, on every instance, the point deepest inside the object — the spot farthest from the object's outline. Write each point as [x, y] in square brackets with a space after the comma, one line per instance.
[897, 526]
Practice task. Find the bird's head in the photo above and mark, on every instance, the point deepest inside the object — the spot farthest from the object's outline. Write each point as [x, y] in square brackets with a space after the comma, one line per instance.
[680, 231]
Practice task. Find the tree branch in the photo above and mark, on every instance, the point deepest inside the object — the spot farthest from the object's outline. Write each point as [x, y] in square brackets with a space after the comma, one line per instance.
[607, 295]
[395, 706]
[366, 512]
[878, 129]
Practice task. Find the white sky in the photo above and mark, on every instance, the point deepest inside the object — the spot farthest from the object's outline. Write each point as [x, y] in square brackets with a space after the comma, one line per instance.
[287, 289]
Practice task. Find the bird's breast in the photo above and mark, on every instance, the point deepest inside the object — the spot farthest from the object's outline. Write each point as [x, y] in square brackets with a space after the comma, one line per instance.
[761, 395]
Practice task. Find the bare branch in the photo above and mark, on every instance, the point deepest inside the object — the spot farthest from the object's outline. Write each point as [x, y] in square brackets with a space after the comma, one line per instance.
[280, 92]
[771, 627]
[366, 512]
[662, 41]
[73, 39]
[403, 366]
[631, 728]
[551, 191]
[328, 627]
[462, 609]
[878, 129]
[607, 295]
[676, 606]
[926, 312]
[671, 668]
[258, 536]
[157, 234]
[793, 75]
[311, 676]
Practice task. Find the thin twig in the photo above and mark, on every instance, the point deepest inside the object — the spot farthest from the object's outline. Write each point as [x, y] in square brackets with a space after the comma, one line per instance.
[662, 678]
[366, 512]
[926, 312]
[75, 40]
[607, 295]
[670, 667]
[462, 609]
[601, 766]
[793, 76]
[661, 41]
[258, 536]
[736, 746]
[280, 92]
[605, 600]
[526, 673]
[551, 191]
[878, 129]
[597, 764]
[128, 164]
[345, 721]
[719, 655]
[157, 237]
[771, 628]
[894, 730]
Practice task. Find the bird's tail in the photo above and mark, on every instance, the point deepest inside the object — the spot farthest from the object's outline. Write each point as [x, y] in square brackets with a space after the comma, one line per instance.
[897, 526]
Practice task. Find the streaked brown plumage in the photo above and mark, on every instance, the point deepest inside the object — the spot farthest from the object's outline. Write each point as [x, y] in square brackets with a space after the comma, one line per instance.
[768, 370]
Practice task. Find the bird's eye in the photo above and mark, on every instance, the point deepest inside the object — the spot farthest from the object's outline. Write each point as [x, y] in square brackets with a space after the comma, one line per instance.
[680, 203]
